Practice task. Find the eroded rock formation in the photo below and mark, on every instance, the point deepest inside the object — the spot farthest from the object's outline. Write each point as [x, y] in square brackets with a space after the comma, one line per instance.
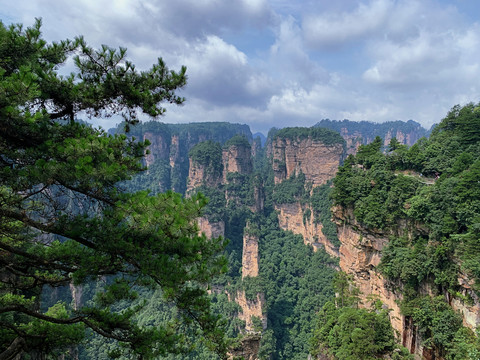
[360, 255]
[250, 256]
[319, 162]
[300, 220]
[237, 159]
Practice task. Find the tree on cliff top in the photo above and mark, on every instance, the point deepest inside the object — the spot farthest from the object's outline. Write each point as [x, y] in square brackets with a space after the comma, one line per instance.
[64, 221]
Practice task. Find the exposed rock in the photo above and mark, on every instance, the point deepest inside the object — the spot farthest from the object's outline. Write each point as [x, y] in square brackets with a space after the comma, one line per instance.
[250, 256]
[211, 229]
[470, 307]
[292, 217]
[237, 158]
[319, 162]
[159, 148]
[361, 253]
[198, 175]
[258, 198]
[247, 349]
[77, 292]
[250, 309]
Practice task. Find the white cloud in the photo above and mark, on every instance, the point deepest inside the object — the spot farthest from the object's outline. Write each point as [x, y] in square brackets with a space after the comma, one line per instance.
[333, 29]
[219, 73]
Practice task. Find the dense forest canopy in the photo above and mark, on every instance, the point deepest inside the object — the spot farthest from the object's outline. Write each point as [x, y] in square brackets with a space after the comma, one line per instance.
[327, 136]
[63, 219]
[434, 187]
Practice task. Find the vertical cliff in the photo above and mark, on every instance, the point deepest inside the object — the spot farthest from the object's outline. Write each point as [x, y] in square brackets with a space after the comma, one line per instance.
[237, 158]
[311, 156]
[206, 166]
[299, 218]
[251, 302]
[302, 160]
[358, 133]
[250, 256]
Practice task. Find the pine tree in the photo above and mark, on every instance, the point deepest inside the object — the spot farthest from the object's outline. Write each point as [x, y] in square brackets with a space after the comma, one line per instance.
[65, 220]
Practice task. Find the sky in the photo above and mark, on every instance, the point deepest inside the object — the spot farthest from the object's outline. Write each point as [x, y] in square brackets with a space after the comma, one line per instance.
[277, 63]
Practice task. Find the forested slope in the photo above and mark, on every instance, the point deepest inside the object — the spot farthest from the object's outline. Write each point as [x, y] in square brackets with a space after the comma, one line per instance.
[412, 215]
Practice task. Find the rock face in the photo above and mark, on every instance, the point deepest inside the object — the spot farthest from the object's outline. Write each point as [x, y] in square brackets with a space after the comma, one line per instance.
[198, 175]
[211, 229]
[294, 217]
[361, 253]
[237, 158]
[247, 349]
[363, 132]
[319, 162]
[250, 309]
[250, 256]
[159, 148]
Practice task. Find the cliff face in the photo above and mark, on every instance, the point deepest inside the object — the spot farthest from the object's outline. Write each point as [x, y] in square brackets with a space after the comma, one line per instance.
[251, 308]
[199, 175]
[356, 138]
[250, 256]
[363, 132]
[319, 162]
[293, 217]
[159, 148]
[211, 229]
[360, 254]
[236, 158]
[247, 349]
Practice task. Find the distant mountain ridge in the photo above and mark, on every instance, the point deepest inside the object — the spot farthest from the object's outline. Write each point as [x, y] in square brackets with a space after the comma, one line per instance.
[363, 132]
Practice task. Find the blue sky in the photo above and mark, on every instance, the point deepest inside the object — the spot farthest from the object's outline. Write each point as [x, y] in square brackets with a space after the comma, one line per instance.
[287, 63]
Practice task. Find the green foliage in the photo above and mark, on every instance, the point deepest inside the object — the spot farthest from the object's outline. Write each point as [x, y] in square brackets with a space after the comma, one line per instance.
[430, 192]
[296, 283]
[209, 155]
[290, 190]
[441, 328]
[63, 217]
[321, 203]
[326, 136]
[346, 332]
[237, 140]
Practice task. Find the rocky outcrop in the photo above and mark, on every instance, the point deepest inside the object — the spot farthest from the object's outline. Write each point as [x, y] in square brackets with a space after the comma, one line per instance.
[247, 349]
[159, 148]
[250, 256]
[237, 159]
[211, 229]
[199, 175]
[360, 255]
[470, 309]
[300, 220]
[251, 309]
[319, 162]
[363, 132]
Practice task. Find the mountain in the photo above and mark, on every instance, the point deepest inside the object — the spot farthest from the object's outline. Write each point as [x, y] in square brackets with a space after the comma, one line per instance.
[358, 133]
[401, 223]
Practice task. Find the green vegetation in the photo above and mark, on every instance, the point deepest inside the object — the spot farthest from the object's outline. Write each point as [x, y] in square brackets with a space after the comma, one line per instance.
[297, 283]
[290, 190]
[369, 130]
[348, 333]
[321, 203]
[209, 155]
[428, 197]
[237, 140]
[326, 136]
[64, 221]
